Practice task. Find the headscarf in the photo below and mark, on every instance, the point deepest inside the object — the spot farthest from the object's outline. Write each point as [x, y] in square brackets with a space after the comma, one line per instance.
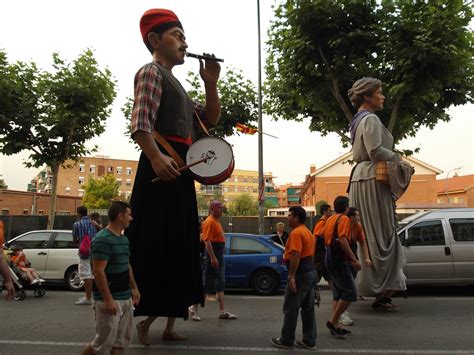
[158, 20]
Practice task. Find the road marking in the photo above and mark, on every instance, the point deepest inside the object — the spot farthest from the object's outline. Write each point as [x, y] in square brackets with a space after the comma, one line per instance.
[243, 349]
[454, 298]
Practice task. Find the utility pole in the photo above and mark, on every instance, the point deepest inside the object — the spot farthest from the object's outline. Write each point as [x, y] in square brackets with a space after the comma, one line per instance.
[261, 181]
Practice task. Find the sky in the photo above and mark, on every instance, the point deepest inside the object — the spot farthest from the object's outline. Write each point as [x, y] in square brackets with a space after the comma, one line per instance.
[32, 30]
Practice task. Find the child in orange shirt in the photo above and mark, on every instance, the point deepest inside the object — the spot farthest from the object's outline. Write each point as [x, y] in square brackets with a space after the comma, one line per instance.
[19, 260]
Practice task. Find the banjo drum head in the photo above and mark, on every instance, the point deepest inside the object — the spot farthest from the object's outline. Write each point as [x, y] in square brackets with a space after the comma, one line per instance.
[218, 168]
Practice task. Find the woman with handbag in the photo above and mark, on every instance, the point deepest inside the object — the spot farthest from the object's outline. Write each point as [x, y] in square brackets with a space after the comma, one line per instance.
[372, 145]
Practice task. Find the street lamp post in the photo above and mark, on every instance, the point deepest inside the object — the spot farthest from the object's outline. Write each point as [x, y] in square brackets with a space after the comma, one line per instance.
[261, 181]
[447, 179]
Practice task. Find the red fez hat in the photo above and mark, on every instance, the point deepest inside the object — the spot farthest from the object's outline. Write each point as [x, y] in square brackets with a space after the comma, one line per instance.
[158, 20]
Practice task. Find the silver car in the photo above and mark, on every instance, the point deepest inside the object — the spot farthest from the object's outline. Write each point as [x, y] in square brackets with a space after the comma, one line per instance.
[53, 254]
[439, 246]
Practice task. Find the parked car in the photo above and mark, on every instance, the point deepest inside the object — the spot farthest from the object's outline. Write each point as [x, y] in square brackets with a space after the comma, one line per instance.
[439, 247]
[53, 254]
[255, 262]
[252, 261]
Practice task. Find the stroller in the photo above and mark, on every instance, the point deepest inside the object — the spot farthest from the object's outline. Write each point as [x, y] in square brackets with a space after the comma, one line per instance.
[21, 282]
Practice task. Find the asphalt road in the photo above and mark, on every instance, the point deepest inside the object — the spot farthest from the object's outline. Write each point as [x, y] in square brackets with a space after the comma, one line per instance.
[432, 321]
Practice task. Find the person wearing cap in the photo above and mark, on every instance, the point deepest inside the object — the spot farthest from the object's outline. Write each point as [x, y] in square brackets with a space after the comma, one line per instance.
[214, 272]
[164, 233]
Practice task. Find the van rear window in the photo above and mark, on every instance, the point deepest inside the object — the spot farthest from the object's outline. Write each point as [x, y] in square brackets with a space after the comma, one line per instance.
[463, 229]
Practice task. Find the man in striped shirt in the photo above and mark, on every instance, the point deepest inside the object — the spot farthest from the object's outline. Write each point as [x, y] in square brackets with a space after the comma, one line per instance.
[115, 290]
[80, 229]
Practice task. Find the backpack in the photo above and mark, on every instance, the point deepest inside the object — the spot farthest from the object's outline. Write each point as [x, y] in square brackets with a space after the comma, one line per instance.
[335, 254]
[85, 244]
[320, 253]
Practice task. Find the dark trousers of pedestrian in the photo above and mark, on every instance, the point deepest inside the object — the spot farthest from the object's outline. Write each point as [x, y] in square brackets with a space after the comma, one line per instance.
[302, 299]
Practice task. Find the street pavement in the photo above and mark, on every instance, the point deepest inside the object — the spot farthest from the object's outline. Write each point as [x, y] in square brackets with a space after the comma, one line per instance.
[430, 322]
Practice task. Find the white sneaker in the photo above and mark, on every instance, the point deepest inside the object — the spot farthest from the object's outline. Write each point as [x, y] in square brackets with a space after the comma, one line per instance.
[41, 280]
[83, 302]
[345, 319]
[35, 281]
[193, 314]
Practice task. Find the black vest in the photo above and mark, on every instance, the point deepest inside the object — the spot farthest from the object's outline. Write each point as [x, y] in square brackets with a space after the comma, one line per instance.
[175, 114]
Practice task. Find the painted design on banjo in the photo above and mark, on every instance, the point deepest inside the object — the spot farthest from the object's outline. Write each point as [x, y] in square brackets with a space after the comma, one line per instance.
[219, 164]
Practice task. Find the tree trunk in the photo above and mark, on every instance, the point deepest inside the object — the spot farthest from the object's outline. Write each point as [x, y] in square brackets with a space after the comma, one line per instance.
[394, 114]
[54, 188]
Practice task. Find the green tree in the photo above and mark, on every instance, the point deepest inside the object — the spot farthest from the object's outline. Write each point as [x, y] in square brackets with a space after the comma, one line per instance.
[243, 205]
[421, 50]
[98, 193]
[3, 184]
[238, 102]
[52, 114]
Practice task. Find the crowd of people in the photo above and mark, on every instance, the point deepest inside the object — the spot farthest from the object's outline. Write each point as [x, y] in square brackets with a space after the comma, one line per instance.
[150, 265]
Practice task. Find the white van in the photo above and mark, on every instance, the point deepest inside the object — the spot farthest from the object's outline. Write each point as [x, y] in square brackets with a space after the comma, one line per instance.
[439, 246]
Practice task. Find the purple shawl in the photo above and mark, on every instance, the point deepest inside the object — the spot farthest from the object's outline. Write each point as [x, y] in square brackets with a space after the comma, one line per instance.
[355, 123]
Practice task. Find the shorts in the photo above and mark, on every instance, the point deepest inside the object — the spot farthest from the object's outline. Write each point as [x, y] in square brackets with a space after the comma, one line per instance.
[343, 282]
[112, 331]
[85, 269]
[322, 272]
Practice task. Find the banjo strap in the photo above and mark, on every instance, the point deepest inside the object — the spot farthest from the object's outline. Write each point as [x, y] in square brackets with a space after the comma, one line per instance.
[203, 126]
[164, 143]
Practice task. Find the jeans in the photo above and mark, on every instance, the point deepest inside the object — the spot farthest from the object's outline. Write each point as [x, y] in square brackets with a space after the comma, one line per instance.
[214, 279]
[303, 299]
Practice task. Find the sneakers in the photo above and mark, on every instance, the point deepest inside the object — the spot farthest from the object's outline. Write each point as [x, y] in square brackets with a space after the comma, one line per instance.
[34, 282]
[385, 304]
[227, 315]
[277, 343]
[83, 302]
[301, 343]
[336, 332]
[193, 314]
[345, 319]
[41, 280]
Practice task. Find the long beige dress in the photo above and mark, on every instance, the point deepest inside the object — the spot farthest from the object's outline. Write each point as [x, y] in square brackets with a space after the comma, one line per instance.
[374, 142]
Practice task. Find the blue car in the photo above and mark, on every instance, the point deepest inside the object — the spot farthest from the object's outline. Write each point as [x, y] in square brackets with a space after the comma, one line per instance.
[253, 261]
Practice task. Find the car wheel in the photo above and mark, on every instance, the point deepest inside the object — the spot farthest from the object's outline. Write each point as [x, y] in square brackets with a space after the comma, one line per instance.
[20, 295]
[39, 292]
[264, 282]
[72, 280]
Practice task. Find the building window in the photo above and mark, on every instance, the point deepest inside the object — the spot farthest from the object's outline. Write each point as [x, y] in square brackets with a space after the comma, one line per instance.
[92, 168]
[81, 180]
[460, 199]
[245, 179]
[80, 192]
[119, 182]
[254, 180]
[246, 189]
[41, 212]
[110, 169]
[81, 168]
[236, 179]
[119, 170]
[128, 182]
[5, 211]
[236, 189]
[255, 190]
[129, 171]
[25, 211]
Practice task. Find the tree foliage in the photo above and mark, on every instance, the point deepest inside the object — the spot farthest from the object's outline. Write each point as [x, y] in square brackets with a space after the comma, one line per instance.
[3, 184]
[53, 114]
[238, 100]
[421, 50]
[243, 205]
[99, 193]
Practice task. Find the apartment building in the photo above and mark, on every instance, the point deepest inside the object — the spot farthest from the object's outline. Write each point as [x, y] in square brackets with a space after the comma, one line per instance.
[240, 182]
[457, 189]
[71, 180]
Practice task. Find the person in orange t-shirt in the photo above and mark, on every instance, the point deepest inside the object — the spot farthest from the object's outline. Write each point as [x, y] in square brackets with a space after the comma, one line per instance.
[299, 294]
[214, 272]
[340, 263]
